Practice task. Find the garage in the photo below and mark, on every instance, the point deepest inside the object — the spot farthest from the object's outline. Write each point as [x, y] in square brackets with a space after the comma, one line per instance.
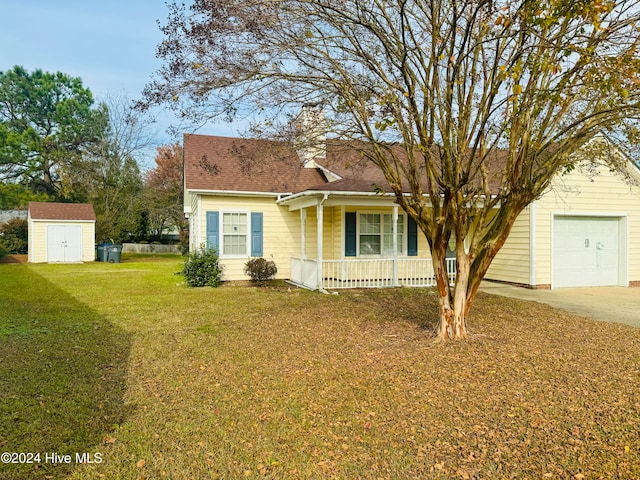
[61, 232]
[586, 251]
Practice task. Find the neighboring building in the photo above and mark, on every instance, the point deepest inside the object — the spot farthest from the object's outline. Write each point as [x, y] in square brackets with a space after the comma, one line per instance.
[61, 232]
[7, 215]
[328, 219]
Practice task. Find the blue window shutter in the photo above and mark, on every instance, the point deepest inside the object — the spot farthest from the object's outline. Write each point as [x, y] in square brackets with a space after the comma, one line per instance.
[256, 234]
[350, 234]
[412, 237]
[213, 226]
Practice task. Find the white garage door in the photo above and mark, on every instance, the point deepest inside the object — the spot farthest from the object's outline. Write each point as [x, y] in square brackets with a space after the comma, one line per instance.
[64, 243]
[585, 251]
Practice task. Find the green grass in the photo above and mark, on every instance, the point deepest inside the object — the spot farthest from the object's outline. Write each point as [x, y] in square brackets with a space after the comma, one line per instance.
[242, 382]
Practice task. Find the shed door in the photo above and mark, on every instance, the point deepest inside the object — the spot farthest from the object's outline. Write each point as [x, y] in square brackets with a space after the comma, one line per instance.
[585, 251]
[64, 243]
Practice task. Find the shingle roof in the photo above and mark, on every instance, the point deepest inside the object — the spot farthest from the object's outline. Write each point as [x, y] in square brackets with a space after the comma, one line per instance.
[245, 165]
[250, 165]
[61, 211]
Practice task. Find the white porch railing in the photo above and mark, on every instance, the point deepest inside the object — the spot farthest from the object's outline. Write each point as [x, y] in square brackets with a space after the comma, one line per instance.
[368, 273]
[304, 271]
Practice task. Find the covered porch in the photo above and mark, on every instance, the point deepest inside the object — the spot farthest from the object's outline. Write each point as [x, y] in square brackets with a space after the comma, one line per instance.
[366, 273]
[358, 240]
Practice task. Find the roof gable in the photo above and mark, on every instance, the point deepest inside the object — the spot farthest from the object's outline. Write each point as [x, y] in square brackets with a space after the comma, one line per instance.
[61, 211]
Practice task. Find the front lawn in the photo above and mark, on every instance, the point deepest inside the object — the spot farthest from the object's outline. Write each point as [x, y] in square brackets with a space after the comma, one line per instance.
[149, 379]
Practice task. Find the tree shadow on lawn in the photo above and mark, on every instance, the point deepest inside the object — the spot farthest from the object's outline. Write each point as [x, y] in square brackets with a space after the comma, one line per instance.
[62, 376]
[418, 306]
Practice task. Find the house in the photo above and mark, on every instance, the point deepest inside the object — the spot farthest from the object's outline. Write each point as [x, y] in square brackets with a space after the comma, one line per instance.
[61, 232]
[328, 219]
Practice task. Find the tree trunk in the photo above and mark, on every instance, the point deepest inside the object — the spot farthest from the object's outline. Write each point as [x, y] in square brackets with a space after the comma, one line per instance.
[452, 300]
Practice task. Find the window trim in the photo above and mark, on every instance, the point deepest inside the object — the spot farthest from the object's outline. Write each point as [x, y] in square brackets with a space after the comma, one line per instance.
[403, 247]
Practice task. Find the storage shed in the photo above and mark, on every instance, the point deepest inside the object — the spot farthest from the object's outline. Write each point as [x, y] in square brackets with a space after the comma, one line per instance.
[61, 232]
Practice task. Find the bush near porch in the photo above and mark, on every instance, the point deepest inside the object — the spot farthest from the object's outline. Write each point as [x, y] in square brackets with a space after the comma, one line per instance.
[242, 382]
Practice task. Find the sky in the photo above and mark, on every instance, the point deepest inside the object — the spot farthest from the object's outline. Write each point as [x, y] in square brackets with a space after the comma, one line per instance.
[109, 44]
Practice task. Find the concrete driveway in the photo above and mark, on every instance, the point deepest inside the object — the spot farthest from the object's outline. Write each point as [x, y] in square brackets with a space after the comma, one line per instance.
[607, 304]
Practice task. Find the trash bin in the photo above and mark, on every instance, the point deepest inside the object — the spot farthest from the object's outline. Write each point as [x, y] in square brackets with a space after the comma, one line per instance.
[101, 251]
[114, 253]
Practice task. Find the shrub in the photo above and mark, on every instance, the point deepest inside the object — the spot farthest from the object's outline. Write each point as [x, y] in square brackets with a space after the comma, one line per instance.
[3, 251]
[14, 235]
[260, 270]
[202, 268]
[13, 244]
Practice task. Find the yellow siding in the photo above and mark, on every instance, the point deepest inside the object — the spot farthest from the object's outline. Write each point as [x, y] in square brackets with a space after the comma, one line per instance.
[38, 242]
[511, 264]
[330, 240]
[423, 246]
[88, 242]
[311, 233]
[281, 235]
[337, 234]
[582, 194]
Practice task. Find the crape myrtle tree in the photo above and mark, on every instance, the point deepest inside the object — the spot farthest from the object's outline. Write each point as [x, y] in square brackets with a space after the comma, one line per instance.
[473, 106]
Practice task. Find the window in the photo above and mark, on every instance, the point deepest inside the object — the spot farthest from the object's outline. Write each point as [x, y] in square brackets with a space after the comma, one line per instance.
[376, 234]
[388, 234]
[234, 233]
[370, 230]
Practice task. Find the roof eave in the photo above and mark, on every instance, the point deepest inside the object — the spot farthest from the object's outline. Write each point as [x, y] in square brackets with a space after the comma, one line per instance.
[63, 220]
[236, 193]
[321, 193]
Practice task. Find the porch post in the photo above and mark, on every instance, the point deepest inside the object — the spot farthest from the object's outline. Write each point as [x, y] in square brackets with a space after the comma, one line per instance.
[343, 266]
[319, 215]
[303, 233]
[394, 230]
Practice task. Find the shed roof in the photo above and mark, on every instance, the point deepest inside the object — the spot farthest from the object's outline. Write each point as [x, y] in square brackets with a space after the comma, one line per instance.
[61, 211]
